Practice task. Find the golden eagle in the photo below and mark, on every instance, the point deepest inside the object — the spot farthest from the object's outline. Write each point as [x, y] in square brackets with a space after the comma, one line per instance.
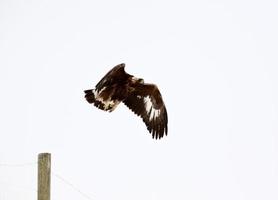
[143, 99]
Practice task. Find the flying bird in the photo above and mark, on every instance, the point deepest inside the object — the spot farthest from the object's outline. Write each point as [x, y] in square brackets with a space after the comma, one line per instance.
[143, 99]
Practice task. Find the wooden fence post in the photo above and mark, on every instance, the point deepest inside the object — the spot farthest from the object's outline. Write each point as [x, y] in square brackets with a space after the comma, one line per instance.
[44, 169]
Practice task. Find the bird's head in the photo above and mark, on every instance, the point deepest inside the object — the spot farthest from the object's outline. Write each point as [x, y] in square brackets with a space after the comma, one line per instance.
[140, 80]
[137, 80]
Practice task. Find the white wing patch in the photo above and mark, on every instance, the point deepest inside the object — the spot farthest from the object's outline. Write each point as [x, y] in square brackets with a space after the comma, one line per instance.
[108, 104]
[152, 112]
[97, 93]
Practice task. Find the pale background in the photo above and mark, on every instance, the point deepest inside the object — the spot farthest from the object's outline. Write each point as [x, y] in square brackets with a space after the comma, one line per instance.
[215, 63]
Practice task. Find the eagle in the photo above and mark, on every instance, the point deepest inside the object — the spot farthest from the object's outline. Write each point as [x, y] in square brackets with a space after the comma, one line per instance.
[143, 99]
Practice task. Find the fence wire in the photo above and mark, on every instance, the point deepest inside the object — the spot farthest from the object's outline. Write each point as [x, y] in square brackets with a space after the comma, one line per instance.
[72, 186]
[15, 190]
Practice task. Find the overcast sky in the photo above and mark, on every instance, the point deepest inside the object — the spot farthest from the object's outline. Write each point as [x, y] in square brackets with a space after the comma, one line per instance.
[215, 63]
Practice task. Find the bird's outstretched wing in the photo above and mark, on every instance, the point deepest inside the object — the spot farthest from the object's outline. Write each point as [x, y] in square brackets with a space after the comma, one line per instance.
[111, 77]
[146, 101]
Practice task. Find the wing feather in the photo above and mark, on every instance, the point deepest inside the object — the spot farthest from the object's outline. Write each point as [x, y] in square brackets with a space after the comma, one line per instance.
[135, 104]
[111, 77]
[146, 101]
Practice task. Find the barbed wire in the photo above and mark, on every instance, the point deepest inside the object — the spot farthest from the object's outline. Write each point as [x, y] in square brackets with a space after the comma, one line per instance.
[65, 181]
[72, 186]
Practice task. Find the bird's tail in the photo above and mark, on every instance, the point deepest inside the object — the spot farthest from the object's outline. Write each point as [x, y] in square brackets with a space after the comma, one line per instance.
[89, 95]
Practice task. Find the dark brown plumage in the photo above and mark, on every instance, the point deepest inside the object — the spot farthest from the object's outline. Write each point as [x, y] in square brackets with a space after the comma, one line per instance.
[143, 99]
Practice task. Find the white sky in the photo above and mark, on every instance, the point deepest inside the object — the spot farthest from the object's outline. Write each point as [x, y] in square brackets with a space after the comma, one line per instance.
[215, 63]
